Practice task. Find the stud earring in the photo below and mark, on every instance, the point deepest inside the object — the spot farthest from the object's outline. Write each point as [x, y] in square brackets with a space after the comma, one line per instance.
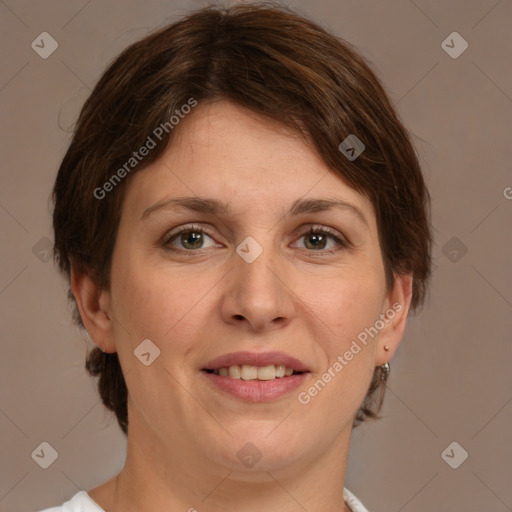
[386, 348]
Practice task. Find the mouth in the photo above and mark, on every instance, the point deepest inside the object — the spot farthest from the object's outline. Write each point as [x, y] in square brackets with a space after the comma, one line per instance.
[256, 377]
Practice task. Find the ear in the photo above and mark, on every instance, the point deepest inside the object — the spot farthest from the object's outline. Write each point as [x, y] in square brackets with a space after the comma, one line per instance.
[94, 307]
[394, 315]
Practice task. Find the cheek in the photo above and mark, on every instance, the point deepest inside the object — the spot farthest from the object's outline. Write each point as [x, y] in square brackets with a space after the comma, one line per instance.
[343, 305]
[340, 315]
[159, 304]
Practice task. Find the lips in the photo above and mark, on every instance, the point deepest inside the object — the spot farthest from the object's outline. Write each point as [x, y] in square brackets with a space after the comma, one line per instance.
[256, 359]
[248, 375]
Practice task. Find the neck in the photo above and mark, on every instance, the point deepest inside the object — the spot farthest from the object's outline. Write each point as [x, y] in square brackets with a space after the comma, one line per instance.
[155, 477]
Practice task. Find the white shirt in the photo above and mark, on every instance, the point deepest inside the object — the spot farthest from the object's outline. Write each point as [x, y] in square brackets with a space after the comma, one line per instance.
[82, 502]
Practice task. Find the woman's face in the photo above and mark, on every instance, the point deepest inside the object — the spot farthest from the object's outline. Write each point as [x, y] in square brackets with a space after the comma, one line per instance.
[245, 276]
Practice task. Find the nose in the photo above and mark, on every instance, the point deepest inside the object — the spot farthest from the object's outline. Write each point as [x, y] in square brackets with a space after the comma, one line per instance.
[258, 294]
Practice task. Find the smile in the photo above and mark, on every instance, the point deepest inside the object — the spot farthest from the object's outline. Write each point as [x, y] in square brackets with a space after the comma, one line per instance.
[249, 372]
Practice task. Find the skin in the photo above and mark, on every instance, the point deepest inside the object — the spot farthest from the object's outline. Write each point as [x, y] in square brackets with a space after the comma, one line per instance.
[309, 302]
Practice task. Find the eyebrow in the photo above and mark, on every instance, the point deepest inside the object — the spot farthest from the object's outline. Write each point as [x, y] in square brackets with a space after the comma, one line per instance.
[212, 206]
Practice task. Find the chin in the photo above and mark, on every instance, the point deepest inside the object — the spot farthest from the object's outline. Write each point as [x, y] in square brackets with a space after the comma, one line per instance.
[252, 454]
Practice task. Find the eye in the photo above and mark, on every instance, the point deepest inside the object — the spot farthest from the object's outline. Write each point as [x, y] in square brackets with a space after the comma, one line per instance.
[189, 238]
[317, 238]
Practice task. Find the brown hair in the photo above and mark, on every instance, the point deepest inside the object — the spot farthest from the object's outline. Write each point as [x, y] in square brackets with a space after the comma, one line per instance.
[271, 61]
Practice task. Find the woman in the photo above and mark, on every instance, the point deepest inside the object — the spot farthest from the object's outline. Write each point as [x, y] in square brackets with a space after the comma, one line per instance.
[245, 228]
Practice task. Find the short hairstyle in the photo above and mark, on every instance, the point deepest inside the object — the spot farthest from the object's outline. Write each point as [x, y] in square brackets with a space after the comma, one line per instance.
[274, 62]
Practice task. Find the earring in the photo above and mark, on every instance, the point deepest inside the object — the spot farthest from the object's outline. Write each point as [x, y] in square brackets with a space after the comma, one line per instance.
[385, 367]
[385, 371]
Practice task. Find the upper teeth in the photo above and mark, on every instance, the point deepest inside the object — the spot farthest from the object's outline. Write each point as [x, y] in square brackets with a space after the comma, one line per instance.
[248, 372]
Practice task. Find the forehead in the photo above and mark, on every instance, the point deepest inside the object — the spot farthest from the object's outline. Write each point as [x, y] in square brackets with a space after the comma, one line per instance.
[253, 163]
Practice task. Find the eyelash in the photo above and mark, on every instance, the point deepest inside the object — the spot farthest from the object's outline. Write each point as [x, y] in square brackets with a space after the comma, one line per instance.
[322, 230]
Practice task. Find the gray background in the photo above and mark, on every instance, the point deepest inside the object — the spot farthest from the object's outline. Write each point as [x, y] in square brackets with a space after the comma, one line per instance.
[450, 379]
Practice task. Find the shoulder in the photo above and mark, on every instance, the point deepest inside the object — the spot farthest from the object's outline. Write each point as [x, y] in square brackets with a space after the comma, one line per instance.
[352, 502]
[80, 502]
